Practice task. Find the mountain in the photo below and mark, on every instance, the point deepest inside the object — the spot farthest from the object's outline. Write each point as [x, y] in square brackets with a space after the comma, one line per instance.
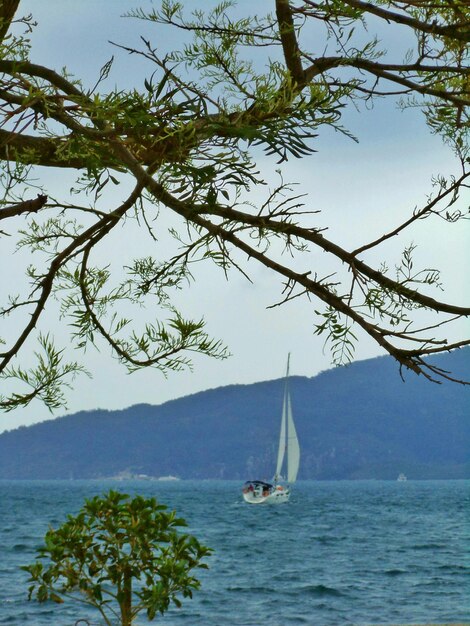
[359, 421]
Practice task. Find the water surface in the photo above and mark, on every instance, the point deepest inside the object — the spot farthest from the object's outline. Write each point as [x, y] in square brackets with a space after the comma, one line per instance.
[338, 553]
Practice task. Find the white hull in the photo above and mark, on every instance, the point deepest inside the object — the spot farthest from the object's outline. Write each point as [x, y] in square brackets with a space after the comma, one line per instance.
[278, 496]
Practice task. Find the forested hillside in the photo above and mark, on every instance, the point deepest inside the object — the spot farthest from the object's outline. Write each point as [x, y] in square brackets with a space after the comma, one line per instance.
[360, 421]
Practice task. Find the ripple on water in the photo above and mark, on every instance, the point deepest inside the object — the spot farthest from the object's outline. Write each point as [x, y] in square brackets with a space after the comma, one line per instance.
[320, 591]
[394, 572]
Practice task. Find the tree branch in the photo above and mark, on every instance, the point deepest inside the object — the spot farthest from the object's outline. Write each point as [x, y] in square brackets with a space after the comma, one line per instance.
[459, 31]
[8, 9]
[97, 231]
[347, 257]
[28, 206]
[290, 46]
[416, 216]
[191, 213]
[385, 71]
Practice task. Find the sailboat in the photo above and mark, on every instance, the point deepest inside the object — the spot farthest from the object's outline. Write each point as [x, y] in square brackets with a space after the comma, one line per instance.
[288, 459]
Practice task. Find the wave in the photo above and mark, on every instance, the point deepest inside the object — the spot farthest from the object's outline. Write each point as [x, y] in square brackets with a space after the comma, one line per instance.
[454, 567]
[394, 572]
[21, 547]
[252, 590]
[320, 591]
[328, 539]
[428, 546]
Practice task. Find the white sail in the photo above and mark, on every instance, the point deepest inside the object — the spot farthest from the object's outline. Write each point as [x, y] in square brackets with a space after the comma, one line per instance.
[282, 439]
[288, 441]
[293, 449]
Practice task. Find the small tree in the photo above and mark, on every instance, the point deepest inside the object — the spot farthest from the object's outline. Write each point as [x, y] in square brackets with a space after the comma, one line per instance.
[121, 556]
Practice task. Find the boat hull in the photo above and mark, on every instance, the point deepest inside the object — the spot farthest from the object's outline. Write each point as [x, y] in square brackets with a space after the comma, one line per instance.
[276, 495]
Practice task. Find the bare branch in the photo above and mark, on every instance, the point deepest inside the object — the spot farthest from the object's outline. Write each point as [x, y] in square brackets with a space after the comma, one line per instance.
[450, 191]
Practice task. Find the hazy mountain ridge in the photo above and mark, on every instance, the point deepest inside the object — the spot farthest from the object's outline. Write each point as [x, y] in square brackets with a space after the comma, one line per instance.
[359, 421]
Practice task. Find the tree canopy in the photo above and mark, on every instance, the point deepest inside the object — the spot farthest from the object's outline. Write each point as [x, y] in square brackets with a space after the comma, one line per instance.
[240, 85]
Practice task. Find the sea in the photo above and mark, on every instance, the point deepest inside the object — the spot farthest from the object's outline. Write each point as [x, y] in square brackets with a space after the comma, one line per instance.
[346, 552]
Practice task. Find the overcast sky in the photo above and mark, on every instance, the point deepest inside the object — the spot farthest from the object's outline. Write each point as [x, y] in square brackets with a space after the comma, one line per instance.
[360, 189]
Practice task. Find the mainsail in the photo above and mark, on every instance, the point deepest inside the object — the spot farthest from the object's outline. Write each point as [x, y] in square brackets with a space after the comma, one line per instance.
[293, 449]
[288, 441]
[282, 445]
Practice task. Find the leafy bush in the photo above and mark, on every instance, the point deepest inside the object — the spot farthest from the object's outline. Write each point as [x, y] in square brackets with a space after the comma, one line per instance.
[121, 556]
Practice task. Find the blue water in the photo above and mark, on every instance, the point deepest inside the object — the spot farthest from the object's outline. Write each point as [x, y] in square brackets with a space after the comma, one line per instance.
[338, 553]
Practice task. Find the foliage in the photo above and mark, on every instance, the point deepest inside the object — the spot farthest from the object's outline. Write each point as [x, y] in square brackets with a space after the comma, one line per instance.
[121, 556]
[184, 150]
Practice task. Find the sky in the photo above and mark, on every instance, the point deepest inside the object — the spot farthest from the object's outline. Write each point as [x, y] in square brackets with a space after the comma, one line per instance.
[361, 190]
